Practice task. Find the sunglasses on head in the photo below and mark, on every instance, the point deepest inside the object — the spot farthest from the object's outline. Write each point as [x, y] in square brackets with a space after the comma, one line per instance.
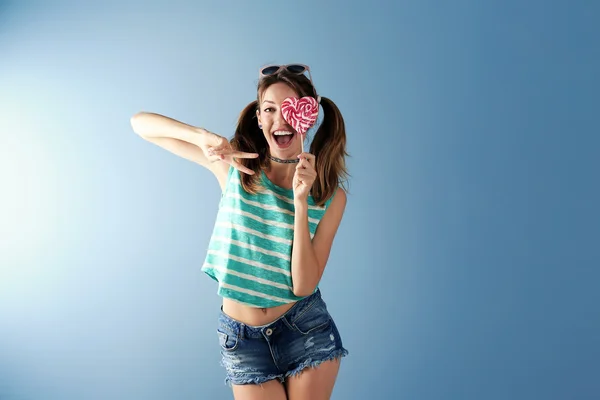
[297, 69]
[292, 68]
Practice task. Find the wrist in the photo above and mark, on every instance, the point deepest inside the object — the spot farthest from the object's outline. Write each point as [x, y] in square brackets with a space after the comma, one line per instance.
[301, 205]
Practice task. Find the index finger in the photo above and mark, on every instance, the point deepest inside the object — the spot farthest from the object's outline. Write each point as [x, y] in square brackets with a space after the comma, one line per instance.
[241, 154]
[240, 167]
[232, 153]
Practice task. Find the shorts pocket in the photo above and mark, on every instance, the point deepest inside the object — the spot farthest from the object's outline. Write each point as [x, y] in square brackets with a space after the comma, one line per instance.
[313, 319]
[227, 340]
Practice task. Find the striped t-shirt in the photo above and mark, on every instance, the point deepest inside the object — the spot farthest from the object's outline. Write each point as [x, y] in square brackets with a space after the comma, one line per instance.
[250, 251]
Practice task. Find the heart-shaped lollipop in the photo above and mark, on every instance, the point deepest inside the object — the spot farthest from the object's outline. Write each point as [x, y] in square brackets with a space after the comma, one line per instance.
[301, 114]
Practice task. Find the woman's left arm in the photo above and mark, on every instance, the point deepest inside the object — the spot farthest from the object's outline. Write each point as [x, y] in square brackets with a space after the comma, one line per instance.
[309, 257]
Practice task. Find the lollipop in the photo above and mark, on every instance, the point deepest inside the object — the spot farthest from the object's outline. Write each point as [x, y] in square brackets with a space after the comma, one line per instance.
[301, 114]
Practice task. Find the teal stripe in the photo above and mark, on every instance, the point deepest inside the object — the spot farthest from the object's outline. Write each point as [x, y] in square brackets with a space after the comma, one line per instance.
[253, 239]
[257, 287]
[249, 269]
[262, 212]
[284, 233]
[210, 272]
[249, 254]
[268, 216]
[268, 199]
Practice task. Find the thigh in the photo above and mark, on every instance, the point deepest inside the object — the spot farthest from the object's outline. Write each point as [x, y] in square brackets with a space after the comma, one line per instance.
[313, 349]
[314, 383]
[271, 390]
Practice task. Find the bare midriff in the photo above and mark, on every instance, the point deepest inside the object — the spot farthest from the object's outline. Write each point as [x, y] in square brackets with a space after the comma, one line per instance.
[252, 316]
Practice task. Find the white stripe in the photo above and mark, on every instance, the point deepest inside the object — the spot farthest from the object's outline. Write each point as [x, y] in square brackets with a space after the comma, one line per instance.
[267, 206]
[259, 219]
[228, 271]
[249, 262]
[254, 232]
[252, 247]
[254, 293]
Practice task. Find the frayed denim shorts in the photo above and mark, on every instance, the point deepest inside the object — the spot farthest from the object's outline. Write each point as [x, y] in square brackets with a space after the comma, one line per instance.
[305, 336]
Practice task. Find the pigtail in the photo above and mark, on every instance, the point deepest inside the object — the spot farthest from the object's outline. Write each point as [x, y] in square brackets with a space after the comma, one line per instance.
[249, 138]
[329, 148]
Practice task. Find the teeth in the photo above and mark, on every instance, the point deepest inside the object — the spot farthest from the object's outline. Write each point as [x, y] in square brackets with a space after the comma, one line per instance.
[282, 133]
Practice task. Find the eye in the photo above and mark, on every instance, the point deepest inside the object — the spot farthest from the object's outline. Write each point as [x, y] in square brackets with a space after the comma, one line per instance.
[268, 109]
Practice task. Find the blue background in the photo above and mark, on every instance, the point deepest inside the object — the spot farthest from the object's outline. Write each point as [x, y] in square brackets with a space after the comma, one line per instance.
[467, 263]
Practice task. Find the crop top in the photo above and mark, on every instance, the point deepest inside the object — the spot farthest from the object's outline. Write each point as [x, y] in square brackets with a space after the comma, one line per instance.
[250, 250]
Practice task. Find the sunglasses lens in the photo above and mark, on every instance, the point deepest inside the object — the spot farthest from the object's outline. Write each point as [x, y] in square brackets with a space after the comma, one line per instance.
[296, 69]
[270, 70]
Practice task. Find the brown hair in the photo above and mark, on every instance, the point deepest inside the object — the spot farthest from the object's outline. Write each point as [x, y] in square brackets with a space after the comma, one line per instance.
[328, 145]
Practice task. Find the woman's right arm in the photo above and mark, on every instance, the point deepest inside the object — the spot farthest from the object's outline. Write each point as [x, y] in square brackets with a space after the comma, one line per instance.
[189, 142]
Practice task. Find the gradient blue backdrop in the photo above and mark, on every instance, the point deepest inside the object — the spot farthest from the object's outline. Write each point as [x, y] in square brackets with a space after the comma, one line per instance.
[467, 264]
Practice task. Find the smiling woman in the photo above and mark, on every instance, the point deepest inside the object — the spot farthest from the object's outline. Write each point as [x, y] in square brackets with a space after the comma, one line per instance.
[279, 214]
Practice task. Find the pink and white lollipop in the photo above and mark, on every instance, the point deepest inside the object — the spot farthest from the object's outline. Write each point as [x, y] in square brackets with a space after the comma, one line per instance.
[301, 114]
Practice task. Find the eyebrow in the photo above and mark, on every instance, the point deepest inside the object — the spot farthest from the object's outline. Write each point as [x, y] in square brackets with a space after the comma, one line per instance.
[268, 101]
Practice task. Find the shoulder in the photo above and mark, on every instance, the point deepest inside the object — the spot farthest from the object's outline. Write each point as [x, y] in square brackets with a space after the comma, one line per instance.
[338, 200]
[340, 196]
[335, 209]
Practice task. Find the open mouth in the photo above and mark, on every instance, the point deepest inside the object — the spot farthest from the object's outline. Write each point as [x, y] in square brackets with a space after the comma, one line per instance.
[283, 138]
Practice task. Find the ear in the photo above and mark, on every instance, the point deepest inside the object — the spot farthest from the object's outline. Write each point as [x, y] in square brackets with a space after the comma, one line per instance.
[258, 117]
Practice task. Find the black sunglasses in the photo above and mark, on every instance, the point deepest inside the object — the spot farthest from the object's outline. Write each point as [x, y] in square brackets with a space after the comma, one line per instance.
[297, 69]
[293, 68]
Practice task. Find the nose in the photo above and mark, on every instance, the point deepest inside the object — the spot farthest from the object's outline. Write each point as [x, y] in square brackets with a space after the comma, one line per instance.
[279, 122]
[278, 118]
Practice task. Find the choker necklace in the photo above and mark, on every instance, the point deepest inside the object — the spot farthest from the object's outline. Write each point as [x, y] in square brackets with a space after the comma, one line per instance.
[279, 160]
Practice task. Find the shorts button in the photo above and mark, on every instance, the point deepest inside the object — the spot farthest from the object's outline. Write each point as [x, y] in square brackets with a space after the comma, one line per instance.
[269, 331]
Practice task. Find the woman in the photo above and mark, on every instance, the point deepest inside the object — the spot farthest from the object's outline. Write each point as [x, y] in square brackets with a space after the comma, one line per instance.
[278, 216]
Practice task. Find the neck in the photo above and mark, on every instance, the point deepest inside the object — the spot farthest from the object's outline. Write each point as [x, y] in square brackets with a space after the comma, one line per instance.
[282, 161]
[281, 171]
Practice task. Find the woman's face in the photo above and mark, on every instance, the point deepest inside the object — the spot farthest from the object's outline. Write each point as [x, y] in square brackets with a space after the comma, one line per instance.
[284, 141]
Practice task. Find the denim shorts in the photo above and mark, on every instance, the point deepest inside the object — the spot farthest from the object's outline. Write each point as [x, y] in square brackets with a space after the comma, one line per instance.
[303, 337]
